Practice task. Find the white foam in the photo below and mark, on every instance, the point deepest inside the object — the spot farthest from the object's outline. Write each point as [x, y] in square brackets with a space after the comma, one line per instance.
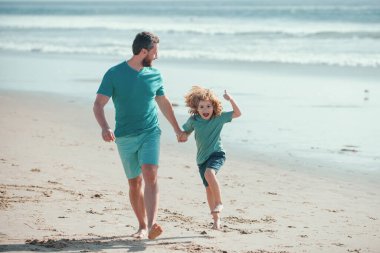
[210, 26]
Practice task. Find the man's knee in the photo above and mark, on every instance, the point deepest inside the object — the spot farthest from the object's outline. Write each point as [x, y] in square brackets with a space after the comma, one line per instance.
[135, 183]
[150, 173]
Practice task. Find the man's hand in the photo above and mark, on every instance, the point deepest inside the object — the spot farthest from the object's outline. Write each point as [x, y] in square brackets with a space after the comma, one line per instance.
[108, 135]
[100, 102]
[167, 109]
[182, 137]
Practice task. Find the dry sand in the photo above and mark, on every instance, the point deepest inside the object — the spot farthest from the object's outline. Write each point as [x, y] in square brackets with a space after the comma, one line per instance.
[63, 189]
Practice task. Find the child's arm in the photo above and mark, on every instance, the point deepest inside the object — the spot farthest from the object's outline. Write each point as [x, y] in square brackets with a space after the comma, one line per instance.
[188, 128]
[235, 107]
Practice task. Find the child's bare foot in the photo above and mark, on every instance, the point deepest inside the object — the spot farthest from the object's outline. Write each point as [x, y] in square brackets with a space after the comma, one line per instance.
[216, 225]
[141, 233]
[155, 231]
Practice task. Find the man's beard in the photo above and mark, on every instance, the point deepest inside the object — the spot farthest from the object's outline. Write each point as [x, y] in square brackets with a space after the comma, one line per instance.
[146, 62]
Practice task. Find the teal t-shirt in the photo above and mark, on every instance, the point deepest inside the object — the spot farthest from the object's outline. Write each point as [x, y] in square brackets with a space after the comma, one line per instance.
[133, 94]
[207, 134]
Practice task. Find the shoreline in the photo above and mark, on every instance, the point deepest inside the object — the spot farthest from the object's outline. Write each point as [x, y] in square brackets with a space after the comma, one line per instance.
[262, 66]
[78, 77]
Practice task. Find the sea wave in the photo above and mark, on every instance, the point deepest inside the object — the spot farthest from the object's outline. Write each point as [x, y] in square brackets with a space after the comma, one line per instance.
[195, 27]
[351, 60]
[219, 39]
[344, 9]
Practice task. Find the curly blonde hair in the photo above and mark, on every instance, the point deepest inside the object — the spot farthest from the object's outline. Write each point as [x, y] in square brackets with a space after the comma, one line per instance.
[197, 94]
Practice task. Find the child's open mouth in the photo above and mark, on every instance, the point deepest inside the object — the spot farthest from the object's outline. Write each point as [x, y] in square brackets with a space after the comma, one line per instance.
[206, 115]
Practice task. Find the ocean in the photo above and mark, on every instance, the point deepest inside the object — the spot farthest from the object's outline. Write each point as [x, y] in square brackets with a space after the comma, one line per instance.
[335, 32]
[306, 74]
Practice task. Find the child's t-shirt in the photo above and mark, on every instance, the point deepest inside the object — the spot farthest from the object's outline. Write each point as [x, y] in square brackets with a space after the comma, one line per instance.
[207, 134]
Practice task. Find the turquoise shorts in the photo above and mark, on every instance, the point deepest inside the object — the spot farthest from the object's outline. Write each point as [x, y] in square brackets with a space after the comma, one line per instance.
[137, 150]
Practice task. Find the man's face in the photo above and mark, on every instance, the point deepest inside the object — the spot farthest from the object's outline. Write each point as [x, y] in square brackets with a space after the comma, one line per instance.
[152, 54]
[205, 109]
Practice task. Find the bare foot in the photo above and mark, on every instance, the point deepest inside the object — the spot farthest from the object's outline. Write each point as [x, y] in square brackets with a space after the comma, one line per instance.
[155, 231]
[216, 225]
[141, 233]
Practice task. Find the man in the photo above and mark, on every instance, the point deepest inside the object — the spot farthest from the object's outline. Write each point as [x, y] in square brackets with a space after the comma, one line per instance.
[134, 87]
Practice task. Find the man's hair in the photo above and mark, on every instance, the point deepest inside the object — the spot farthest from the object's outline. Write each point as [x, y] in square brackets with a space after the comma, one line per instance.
[144, 40]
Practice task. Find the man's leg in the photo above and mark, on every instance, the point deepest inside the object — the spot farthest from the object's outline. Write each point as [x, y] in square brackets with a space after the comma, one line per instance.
[127, 147]
[136, 197]
[148, 156]
[151, 198]
[151, 195]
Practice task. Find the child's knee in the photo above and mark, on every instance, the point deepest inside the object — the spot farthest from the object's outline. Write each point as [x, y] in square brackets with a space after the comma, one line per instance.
[209, 174]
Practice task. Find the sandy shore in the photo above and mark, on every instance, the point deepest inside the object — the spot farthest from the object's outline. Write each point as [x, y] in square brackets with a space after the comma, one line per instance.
[62, 188]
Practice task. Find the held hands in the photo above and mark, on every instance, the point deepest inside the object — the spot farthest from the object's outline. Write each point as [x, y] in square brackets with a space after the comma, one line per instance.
[108, 135]
[182, 136]
[226, 96]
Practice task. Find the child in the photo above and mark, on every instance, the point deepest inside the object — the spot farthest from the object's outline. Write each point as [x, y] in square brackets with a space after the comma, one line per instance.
[207, 121]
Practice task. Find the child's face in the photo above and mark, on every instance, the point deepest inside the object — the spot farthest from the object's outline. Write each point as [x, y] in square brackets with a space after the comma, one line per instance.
[205, 109]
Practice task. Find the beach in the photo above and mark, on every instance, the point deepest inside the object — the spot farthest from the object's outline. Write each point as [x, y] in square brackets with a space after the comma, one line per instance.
[303, 161]
[64, 189]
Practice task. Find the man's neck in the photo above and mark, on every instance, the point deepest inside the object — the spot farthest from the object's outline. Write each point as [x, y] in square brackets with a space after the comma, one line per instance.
[135, 63]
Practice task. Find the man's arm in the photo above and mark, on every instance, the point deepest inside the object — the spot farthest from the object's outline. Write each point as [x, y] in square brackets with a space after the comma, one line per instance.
[98, 108]
[167, 109]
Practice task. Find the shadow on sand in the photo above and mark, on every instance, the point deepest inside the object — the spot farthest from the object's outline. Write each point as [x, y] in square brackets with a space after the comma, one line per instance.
[96, 244]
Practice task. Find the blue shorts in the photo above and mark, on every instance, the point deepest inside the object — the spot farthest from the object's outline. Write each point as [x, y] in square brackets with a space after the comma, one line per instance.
[215, 162]
[137, 150]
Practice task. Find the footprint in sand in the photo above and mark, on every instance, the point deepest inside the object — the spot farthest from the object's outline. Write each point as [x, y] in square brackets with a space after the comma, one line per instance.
[94, 212]
[239, 220]
[176, 217]
[354, 250]
[338, 244]
[335, 210]
[97, 196]
[192, 247]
